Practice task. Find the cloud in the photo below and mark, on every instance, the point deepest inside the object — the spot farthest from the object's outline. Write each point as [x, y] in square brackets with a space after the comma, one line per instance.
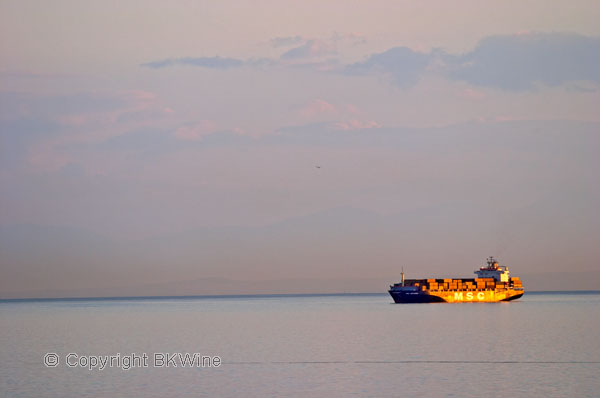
[315, 48]
[336, 117]
[519, 62]
[286, 41]
[471, 94]
[146, 140]
[45, 132]
[317, 107]
[197, 131]
[310, 49]
[402, 64]
[355, 124]
[511, 62]
[28, 122]
[303, 48]
[522, 61]
[308, 45]
[204, 62]
[354, 39]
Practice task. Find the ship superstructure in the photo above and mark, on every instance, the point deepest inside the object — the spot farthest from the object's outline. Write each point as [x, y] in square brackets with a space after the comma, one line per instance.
[493, 283]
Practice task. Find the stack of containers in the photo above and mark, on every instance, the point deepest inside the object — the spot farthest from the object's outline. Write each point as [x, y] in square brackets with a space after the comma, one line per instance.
[480, 283]
[447, 283]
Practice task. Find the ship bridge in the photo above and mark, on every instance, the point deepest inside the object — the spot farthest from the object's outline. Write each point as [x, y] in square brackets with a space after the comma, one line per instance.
[493, 270]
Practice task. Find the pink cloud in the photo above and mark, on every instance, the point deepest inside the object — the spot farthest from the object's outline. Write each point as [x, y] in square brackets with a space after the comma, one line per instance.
[352, 109]
[355, 124]
[317, 107]
[43, 156]
[135, 101]
[471, 94]
[319, 47]
[133, 109]
[348, 116]
[419, 47]
[139, 95]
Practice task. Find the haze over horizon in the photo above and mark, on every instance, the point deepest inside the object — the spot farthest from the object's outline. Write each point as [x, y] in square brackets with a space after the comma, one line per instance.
[264, 147]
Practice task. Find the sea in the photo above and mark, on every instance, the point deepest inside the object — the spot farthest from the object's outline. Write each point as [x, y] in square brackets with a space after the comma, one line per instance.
[546, 344]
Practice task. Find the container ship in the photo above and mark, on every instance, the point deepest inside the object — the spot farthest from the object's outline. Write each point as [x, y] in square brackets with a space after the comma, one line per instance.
[493, 283]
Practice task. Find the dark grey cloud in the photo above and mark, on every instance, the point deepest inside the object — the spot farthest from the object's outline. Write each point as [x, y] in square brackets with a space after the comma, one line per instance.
[401, 63]
[205, 62]
[510, 62]
[519, 62]
[312, 48]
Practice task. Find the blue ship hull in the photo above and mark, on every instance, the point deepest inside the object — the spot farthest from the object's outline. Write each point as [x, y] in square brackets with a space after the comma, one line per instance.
[414, 297]
[423, 297]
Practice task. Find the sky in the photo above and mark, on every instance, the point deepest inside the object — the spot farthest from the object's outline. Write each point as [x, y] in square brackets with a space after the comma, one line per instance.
[273, 146]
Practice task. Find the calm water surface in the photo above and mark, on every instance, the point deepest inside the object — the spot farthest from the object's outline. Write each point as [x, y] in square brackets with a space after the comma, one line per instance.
[543, 345]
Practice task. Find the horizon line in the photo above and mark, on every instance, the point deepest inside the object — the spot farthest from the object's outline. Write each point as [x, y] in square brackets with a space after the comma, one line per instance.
[258, 295]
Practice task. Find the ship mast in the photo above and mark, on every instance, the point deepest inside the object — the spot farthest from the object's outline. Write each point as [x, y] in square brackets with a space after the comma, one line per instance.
[402, 276]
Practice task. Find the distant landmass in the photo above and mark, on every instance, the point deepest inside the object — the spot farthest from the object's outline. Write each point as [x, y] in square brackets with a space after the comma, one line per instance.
[341, 250]
[555, 281]
[544, 225]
